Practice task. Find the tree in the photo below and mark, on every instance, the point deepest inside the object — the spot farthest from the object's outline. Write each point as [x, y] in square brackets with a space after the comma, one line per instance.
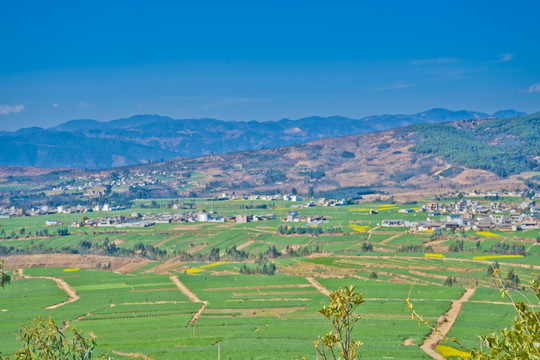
[512, 279]
[492, 268]
[340, 314]
[82, 221]
[311, 193]
[42, 339]
[373, 276]
[4, 278]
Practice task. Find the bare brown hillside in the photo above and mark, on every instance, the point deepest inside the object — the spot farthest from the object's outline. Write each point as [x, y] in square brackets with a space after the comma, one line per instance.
[380, 160]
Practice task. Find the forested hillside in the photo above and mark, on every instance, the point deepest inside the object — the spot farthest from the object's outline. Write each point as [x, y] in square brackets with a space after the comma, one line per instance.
[502, 146]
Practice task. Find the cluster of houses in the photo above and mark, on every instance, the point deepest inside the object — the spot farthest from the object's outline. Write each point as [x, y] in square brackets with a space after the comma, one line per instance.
[286, 197]
[88, 184]
[313, 220]
[48, 210]
[136, 219]
[471, 215]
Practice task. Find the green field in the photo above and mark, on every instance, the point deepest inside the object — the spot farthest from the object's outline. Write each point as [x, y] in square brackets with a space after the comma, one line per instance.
[141, 310]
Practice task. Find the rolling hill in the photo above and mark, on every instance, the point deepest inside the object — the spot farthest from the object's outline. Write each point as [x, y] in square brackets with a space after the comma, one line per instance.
[417, 157]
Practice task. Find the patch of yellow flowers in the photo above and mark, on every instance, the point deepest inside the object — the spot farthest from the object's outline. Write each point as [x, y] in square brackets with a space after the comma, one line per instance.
[200, 269]
[448, 351]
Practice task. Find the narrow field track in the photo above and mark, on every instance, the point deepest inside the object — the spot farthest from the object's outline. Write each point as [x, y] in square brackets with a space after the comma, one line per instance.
[444, 325]
[71, 293]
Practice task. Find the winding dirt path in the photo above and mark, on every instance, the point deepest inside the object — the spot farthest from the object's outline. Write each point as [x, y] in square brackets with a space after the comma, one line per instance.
[192, 296]
[444, 325]
[132, 355]
[387, 240]
[162, 242]
[318, 286]
[246, 244]
[71, 293]
[370, 231]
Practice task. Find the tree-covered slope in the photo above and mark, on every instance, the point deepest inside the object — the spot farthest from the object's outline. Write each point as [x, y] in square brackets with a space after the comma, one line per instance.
[502, 146]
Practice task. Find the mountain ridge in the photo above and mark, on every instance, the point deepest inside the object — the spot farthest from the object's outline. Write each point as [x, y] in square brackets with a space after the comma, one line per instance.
[91, 144]
[419, 159]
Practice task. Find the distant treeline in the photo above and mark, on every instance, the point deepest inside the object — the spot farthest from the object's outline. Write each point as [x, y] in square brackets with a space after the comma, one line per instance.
[351, 192]
[316, 230]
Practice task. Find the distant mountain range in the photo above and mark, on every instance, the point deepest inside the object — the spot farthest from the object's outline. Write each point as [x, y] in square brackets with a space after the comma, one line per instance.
[412, 160]
[91, 144]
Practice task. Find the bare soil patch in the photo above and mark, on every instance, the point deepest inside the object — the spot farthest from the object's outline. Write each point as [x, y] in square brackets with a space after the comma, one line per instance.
[162, 242]
[69, 261]
[224, 272]
[164, 268]
[129, 267]
[196, 248]
[408, 342]
[246, 244]
[118, 242]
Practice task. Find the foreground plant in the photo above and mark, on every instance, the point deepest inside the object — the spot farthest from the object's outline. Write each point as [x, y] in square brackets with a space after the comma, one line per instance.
[42, 339]
[4, 278]
[519, 341]
[340, 313]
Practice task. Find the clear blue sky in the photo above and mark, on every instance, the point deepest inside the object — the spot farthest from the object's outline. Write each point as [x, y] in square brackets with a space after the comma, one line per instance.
[244, 60]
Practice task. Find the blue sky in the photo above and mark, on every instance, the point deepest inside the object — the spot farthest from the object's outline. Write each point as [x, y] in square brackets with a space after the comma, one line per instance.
[244, 60]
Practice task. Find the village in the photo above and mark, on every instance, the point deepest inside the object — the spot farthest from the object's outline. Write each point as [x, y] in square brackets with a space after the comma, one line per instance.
[472, 215]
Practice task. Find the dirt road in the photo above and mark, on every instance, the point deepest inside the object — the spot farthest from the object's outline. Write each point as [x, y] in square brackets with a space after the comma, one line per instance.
[191, 295]
[444, 325]
[318, 286]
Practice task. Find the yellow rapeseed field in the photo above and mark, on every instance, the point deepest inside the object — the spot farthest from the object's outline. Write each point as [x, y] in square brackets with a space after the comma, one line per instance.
[356, 227]
[487, 233]
[72, 269]
[448, 351]
[437, 256]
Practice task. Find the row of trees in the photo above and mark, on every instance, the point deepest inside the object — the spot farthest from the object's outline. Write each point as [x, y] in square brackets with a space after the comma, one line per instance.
[264, 268]
[24, 233]
[311, 230]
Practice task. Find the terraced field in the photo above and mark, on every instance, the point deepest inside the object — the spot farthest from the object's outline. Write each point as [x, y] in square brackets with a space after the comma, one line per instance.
[174, 308]
[255, 316]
